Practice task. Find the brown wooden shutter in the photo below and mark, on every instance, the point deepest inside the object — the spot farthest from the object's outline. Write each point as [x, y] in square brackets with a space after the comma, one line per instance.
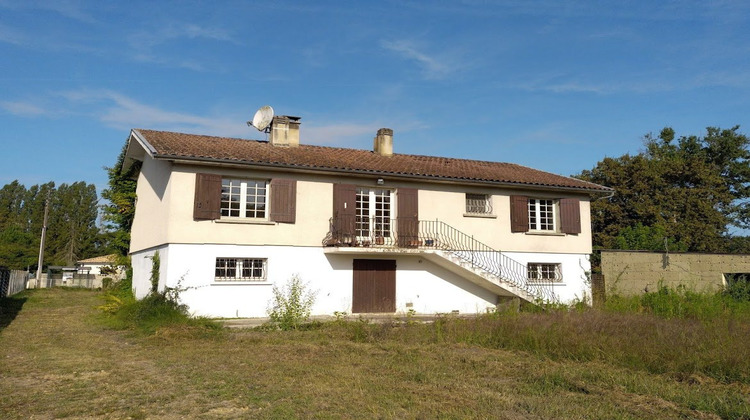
[283, 200]
[570, 215]
[207, 204]
[408, 217]
[344, 209]
[519, 213]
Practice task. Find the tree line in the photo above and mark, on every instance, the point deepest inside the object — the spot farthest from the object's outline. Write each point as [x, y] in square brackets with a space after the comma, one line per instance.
[72, 233]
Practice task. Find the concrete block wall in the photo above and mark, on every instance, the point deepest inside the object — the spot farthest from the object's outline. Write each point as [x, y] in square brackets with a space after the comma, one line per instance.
[635, 272]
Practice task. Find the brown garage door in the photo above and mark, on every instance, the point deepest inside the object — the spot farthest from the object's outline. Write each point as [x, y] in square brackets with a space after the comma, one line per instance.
[374, 286]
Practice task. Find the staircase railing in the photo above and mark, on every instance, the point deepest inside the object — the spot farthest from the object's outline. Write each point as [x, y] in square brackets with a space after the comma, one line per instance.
[434, 234]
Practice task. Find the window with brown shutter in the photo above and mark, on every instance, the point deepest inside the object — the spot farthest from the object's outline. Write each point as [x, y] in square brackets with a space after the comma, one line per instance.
[570, 215]
[283, 200]
[519, 213]
[207, 203]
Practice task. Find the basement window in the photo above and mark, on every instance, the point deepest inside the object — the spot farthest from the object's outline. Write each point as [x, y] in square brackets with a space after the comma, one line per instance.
[544, 272]
[240, 269]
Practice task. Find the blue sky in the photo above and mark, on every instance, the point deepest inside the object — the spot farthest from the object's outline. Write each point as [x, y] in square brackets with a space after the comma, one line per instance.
[548, 84]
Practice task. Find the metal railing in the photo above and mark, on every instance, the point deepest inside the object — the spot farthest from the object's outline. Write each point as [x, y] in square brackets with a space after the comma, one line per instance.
[357, 231]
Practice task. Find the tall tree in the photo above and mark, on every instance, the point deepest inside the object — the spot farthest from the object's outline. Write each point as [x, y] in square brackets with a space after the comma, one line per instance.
[71, 234]
[72, 227]
[685, 192]
[11, 203]
[119, 209]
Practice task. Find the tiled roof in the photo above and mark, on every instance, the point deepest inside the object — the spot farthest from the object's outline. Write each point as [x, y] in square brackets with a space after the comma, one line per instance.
[102, 259]
[170, 145]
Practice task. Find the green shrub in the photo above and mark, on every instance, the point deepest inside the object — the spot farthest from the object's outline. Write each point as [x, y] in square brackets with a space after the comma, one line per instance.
[683, 303]
[738, 288]
[291, 304]
[153, 312]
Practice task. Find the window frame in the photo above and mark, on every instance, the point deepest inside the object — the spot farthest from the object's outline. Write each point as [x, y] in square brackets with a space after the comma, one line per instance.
[244, 190]
[239, 268]
[369, 225]
[538, 214]
[542, 270]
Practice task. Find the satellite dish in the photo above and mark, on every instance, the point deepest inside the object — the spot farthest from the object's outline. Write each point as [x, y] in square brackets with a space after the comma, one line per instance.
[262, 118]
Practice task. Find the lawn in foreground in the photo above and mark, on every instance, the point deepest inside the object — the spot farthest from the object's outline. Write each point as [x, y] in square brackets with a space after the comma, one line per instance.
[57, 359]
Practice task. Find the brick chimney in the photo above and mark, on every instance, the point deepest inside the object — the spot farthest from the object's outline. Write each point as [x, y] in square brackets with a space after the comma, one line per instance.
[285, 131]
[383, 144]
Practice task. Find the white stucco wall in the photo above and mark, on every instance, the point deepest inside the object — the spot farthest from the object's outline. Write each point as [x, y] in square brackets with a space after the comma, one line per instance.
[420, 284]
[576, 268]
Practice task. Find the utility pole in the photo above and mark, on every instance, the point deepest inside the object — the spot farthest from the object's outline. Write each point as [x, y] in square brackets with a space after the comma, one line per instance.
[41, 245]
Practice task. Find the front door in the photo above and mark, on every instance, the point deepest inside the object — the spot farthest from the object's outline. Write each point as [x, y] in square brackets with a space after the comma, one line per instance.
[374, 286]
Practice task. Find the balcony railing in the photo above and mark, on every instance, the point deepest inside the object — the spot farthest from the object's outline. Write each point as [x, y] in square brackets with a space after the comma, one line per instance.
[357, 231]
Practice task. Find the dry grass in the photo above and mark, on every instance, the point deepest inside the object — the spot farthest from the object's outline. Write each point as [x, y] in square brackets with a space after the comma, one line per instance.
[57, 359]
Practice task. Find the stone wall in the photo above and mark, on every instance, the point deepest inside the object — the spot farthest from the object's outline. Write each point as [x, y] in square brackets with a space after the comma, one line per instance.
[636, 272]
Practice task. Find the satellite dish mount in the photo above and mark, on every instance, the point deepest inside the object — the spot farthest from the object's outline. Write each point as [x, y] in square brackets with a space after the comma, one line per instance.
[262, 119]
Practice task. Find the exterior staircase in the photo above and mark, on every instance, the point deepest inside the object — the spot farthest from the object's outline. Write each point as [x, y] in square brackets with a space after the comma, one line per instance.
[443, 245]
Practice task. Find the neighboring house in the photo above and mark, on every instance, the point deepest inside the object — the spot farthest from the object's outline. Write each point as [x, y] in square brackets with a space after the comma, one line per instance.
[368, 231]
[95, 265]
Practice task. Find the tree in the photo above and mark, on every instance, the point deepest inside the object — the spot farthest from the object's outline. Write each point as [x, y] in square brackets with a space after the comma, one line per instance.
[687, 192]
[71, 233]
[119, 210]
[72, 226]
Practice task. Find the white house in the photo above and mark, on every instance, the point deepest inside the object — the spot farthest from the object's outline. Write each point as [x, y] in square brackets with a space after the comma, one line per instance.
[95, 265]
[368, 231]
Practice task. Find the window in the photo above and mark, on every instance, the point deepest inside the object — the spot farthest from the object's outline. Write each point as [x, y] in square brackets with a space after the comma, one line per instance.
[240, 269]
[478, 204]
[545, 215]
[373, 212]
[541, 214]
[544, 272]
[243, 198]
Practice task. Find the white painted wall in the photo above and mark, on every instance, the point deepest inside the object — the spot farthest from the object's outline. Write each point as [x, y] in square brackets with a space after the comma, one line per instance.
[575, 285]
[426, 286]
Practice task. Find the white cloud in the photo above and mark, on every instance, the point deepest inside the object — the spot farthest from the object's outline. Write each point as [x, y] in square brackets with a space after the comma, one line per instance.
[12, 36]
[71, 9]
[433, 67]
[23, 109]
[149, 45]
[119, 111]
[176, 31]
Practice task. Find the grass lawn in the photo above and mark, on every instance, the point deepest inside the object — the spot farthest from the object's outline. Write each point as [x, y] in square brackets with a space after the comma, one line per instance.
[58, 358]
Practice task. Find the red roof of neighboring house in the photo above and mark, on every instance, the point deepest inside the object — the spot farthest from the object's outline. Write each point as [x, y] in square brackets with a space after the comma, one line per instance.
[170, 145]
[102, 259]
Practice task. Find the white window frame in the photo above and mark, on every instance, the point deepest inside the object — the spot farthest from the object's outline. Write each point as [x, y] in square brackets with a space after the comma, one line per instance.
[541, 210]
[372, 221]
[246, 196]
[544, 272]
[478, 204]
[242, 269]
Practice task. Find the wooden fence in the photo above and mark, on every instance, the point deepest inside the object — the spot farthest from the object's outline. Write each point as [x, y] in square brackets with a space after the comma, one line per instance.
[12, 281]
